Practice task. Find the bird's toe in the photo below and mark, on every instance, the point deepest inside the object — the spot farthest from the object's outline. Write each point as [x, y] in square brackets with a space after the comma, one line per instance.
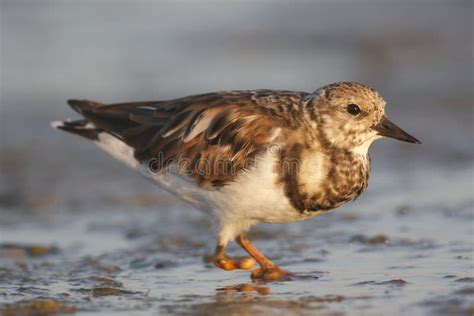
[230, 264]
[270, 274]
[247, 263]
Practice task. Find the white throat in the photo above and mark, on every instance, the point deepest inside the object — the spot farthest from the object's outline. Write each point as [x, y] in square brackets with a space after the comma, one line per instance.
[363, 149]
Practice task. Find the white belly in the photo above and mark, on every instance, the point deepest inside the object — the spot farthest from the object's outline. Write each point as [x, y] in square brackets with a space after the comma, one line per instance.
[256, 195]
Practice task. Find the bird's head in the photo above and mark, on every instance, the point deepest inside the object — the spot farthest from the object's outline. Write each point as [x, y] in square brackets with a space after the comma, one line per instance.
[351, 116]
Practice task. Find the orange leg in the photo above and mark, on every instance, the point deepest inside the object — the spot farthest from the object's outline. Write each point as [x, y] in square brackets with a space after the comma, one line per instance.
[221, 260]
[268, 271]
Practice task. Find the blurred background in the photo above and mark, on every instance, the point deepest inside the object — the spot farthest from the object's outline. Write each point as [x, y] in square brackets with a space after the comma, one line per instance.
[417, 54]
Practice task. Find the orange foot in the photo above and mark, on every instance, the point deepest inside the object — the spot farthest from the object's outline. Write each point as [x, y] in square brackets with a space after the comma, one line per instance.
[270, 274]
[229, 264]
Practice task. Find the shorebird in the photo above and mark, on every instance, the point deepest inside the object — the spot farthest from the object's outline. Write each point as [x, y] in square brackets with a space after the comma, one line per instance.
[247, 157]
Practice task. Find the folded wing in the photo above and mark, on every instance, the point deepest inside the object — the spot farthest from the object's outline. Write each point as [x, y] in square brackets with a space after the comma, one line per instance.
[210, 137]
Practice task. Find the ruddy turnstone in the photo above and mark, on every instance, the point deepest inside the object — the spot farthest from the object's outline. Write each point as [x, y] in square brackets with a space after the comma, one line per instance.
[247, 157]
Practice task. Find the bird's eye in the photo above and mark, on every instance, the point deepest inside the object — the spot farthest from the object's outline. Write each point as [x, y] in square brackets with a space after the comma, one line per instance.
[353, 109]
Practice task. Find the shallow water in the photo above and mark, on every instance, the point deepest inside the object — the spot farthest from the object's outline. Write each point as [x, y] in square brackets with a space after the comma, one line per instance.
[81, 234]
[375, 252]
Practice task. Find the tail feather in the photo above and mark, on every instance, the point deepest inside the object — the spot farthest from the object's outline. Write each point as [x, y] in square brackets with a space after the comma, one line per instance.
[83, 106]
[81, 127]
[100, 124]
[97, 118]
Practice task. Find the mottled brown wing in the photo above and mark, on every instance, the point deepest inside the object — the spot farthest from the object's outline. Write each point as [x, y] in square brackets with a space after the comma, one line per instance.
[210, 137]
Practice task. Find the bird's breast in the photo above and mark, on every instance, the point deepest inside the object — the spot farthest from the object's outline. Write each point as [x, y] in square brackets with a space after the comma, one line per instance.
[347, 176]
[322, 180]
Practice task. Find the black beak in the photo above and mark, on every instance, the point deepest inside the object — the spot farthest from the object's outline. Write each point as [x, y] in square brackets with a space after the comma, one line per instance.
[388, 129]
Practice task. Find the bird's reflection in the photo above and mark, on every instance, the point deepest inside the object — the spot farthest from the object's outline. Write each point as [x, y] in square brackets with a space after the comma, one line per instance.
[247, 289]
[255, 289]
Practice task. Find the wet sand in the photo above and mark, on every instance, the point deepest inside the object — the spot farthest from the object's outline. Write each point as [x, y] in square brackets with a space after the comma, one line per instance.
[410, 257]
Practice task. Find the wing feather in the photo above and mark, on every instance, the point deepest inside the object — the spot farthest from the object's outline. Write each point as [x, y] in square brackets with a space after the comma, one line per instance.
[212, 137]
